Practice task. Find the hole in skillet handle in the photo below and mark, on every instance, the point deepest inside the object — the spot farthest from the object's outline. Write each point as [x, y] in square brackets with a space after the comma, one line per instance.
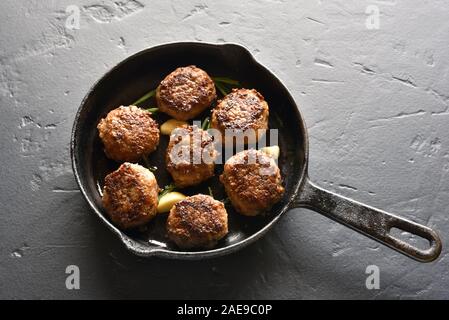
[417, 241]
[408, 237]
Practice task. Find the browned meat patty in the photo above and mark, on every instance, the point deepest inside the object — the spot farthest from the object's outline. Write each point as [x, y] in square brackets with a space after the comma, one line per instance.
[242, 109]
[197, 222]
[185, 93]
[252, 181]
[128, 133]
[130, 195]
[190, 156]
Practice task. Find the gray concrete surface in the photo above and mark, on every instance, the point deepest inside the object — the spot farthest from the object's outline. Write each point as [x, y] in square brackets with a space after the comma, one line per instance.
[376, 102]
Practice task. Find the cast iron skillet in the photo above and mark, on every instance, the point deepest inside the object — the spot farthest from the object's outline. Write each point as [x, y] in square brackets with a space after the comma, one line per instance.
[142, 72]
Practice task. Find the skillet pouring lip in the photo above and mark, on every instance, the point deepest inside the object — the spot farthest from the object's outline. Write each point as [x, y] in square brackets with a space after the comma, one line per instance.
[144, 251]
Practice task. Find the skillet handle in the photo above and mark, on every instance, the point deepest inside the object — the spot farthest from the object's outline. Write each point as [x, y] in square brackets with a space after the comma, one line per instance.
[369, 221]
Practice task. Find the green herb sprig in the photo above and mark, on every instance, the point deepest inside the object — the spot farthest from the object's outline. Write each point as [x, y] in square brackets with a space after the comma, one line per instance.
[168, 188]
[145, 97]
[210, 192]
[206, 124]
[153, 110]
[225, 85]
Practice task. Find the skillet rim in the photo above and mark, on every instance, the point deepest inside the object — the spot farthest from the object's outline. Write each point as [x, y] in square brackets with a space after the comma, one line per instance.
[143, 251]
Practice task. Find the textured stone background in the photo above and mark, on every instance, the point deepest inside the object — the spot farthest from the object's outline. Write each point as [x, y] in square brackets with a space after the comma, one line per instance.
[376, 103]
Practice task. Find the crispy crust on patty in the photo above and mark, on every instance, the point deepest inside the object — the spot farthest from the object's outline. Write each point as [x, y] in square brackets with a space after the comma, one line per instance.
[242, 109]
[128, 133]
[197, 222]
[190, 156]
[130, 195]
[185, 93]
[252, 181]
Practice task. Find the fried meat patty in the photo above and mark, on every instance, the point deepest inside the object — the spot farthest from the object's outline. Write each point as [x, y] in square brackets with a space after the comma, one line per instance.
[185, 93]
[242, 109]
[128, 133]
[252, 181]
[130, 195]
[197, 222]
[190, 156]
